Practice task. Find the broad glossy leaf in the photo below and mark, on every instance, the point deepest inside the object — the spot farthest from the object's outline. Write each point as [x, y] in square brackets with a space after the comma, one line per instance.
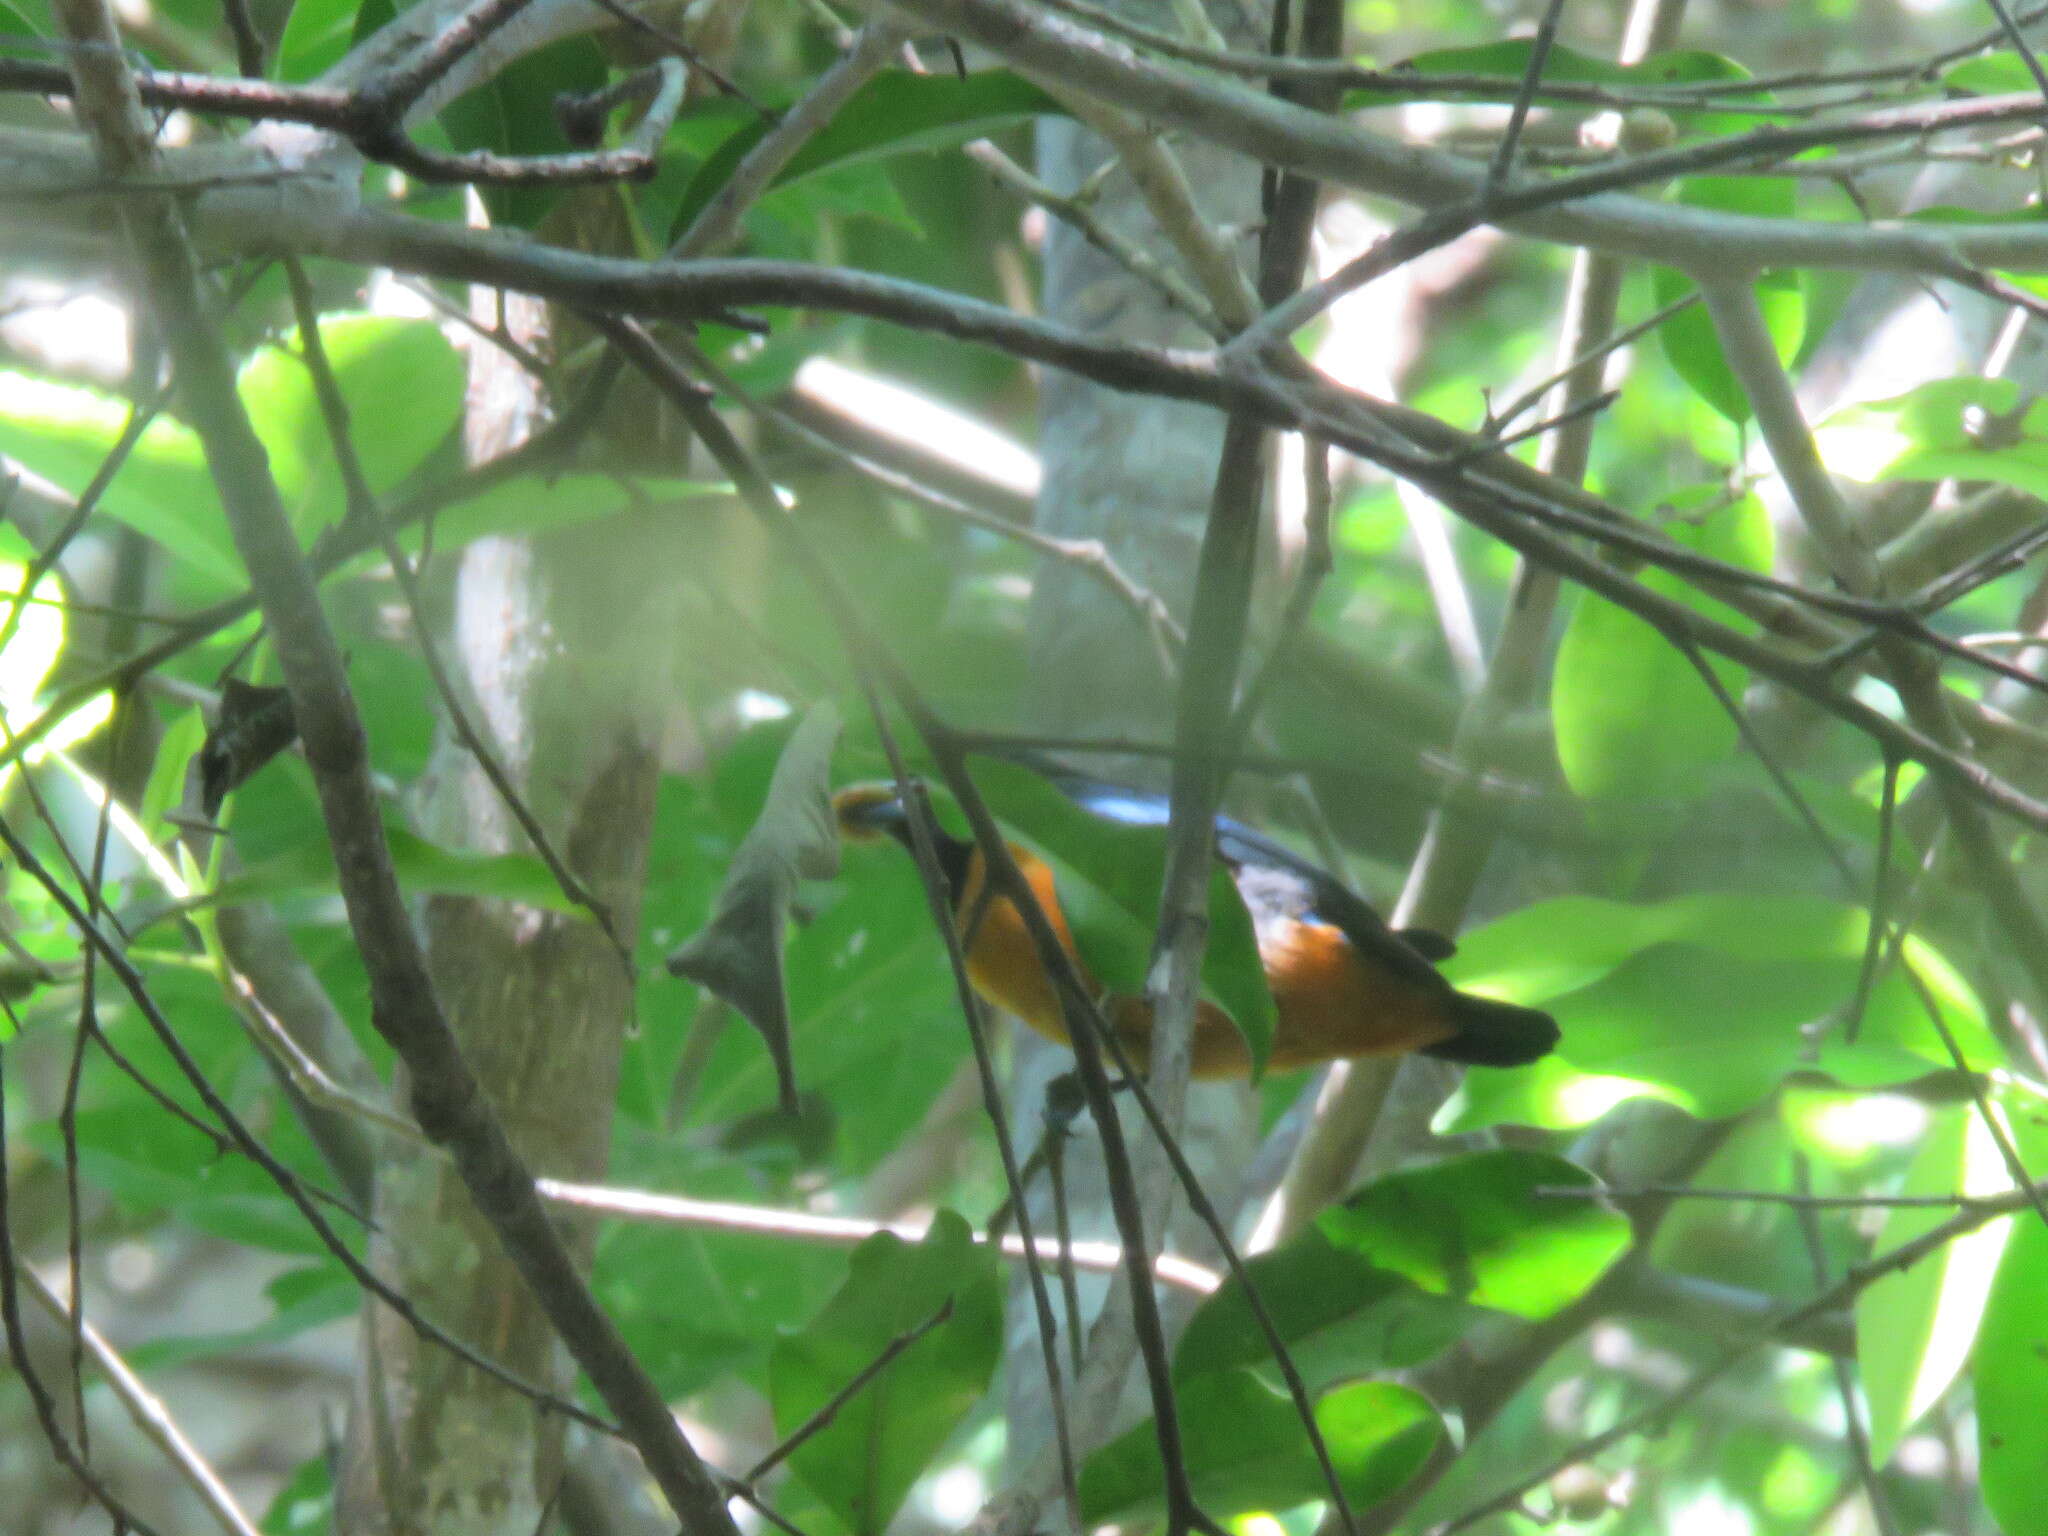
[1550, 1094]
[1473, 1228]
[863, 1463]
[1552, 947]
[1914, 1329]
[1246, 1451]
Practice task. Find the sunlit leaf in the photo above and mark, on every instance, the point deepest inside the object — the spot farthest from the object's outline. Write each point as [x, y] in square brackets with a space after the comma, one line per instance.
[64, 433]
[1474, 1228]
[2010, 1373]
[1915, 1329]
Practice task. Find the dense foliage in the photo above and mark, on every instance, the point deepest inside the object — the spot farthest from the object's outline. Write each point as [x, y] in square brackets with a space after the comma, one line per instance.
[1756, 788]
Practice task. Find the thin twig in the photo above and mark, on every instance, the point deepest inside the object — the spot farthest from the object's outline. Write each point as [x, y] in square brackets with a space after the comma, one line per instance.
[146, 1410]
[830, 1409]
[1518, 114]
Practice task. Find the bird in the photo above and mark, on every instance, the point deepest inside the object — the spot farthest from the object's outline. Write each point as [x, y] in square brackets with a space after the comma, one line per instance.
[1344, 984]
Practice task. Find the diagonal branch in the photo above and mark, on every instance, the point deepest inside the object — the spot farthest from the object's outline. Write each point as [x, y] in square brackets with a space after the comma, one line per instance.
[447, 1101]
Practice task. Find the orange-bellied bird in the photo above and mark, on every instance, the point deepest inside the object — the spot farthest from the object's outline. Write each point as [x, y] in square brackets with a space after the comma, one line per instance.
[1344, 984]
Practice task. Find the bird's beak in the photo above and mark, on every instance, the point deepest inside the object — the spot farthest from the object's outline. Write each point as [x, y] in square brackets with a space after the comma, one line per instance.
[866, 812]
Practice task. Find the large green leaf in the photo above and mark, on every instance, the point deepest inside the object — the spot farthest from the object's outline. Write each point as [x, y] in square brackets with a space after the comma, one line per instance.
[402, 384]
[1991, 74]
[1109, 876]
[1245, 1450]
[1474, 1228]
[64, 433]
[1549, 948]
[1914, 1329]
[1700, 999]
[864, 1461]
[2010, 1371]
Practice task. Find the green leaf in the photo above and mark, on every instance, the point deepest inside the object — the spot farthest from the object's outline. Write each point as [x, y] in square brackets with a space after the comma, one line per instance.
[1940, 431]
[1633, 716]
[1911, 436]
[315, 38]
[1553, 947]
[863, 1463]
[1109, 876]
[403, 386]
[1339, 1314]
[1915, 1328]
[1509, 59]
[1991, 74]
[163, 490]
[304, 1506]
[894, 113]
[1550, 1094]
[1473, 1227]
[1701, 1001]
[1245, 1450]
[2010, 1372]
[1688, 338]
[738, 953]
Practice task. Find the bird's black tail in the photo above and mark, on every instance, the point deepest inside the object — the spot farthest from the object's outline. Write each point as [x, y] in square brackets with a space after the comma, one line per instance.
[1493, 1034]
